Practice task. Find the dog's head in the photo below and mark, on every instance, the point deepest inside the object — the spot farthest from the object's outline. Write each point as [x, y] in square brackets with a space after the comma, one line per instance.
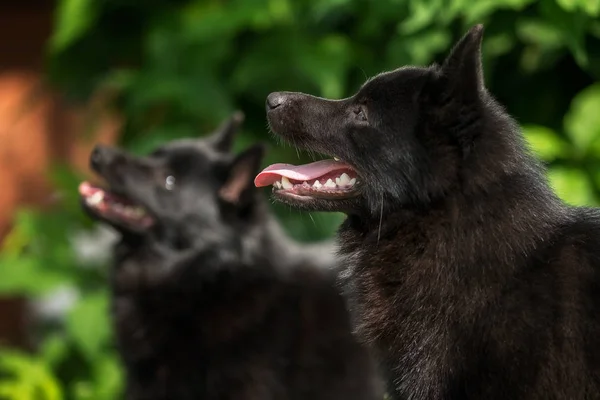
[406, 137]
[178, 192]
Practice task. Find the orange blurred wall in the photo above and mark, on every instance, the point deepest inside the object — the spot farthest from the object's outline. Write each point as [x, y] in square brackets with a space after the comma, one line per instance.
[36, 128]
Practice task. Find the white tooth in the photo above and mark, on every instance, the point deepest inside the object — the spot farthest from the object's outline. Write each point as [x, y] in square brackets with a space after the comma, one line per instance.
[337, 181]
[96, 198]
[352, 181]
[317, 184]
[304, 183]
[277, 185]
[336, 159]
[329, 183]
[344, 179]
[286, 183]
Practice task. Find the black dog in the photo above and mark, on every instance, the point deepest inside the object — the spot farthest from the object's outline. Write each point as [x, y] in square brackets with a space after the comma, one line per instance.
[210, 299]
[467, 275]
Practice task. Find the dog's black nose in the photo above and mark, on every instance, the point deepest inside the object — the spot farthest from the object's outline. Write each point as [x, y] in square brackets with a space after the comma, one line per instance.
[96, 156]
[274, 100]
[101, 155]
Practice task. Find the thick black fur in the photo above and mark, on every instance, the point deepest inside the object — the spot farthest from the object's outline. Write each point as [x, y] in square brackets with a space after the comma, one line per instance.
[214, 301]
[467, 275]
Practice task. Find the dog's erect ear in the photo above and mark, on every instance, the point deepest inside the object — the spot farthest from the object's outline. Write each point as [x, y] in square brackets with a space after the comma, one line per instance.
[222, 138]
[463, 67]
[239, 185]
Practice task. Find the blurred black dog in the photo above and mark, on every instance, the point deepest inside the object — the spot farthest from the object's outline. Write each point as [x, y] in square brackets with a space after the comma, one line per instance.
[211, 299]
[465, 272]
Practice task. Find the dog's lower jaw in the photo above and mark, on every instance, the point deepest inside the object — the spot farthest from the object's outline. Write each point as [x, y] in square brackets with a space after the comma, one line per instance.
[351, 205]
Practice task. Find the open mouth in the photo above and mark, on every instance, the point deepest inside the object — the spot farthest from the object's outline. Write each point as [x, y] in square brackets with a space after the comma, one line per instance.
[326, 179]
[114, 208]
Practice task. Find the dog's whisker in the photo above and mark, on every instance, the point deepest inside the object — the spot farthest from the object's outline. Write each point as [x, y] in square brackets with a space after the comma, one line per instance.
[295, 146]
[364, 73]
[380, 221]
[312, 219]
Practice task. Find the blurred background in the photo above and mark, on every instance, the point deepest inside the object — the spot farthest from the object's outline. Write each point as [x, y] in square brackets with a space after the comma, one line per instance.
[138, 73]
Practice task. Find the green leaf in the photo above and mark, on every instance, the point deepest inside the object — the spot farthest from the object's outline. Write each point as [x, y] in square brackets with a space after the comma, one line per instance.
[422, 14]
[105, 382]
[89, 325]
[281, 10]
[570, 25]
[539, 32]
[36, 256]
[544, 43]
[424, 46]
[26, 378]
[479, 10]
[21, 235]
[582, 121]
[108, 377]
[545, 143]
[73, 19]
[205, 20]
[54, 349]
[26, 275]
[568, 5]
[498, 44]
[591, 7]
[419, 49]
[572, 185]
[326, 62]
[322, 8]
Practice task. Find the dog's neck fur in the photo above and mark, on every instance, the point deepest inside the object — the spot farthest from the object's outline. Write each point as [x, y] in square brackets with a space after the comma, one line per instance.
[258, 241]
[510, 214]
[438, 267]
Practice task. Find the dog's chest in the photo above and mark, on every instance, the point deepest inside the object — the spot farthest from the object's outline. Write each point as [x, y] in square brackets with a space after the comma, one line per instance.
[404, 304]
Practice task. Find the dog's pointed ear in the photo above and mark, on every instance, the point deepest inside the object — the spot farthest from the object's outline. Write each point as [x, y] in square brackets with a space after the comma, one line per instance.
[239, 186]
[463, 67]
[222, 138]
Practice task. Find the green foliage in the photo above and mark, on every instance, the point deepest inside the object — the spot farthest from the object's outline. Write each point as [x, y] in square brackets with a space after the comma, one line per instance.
[27, 378]
[582, 122]
[89, 325]
[75, 17]
[573, 154]
[177, 67]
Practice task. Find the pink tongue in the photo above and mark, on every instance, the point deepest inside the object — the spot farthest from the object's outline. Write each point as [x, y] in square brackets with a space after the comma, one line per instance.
[306, 172]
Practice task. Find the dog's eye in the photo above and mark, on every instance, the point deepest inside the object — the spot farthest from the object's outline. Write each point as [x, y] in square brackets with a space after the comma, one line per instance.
[170, 182]
[360, 114]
